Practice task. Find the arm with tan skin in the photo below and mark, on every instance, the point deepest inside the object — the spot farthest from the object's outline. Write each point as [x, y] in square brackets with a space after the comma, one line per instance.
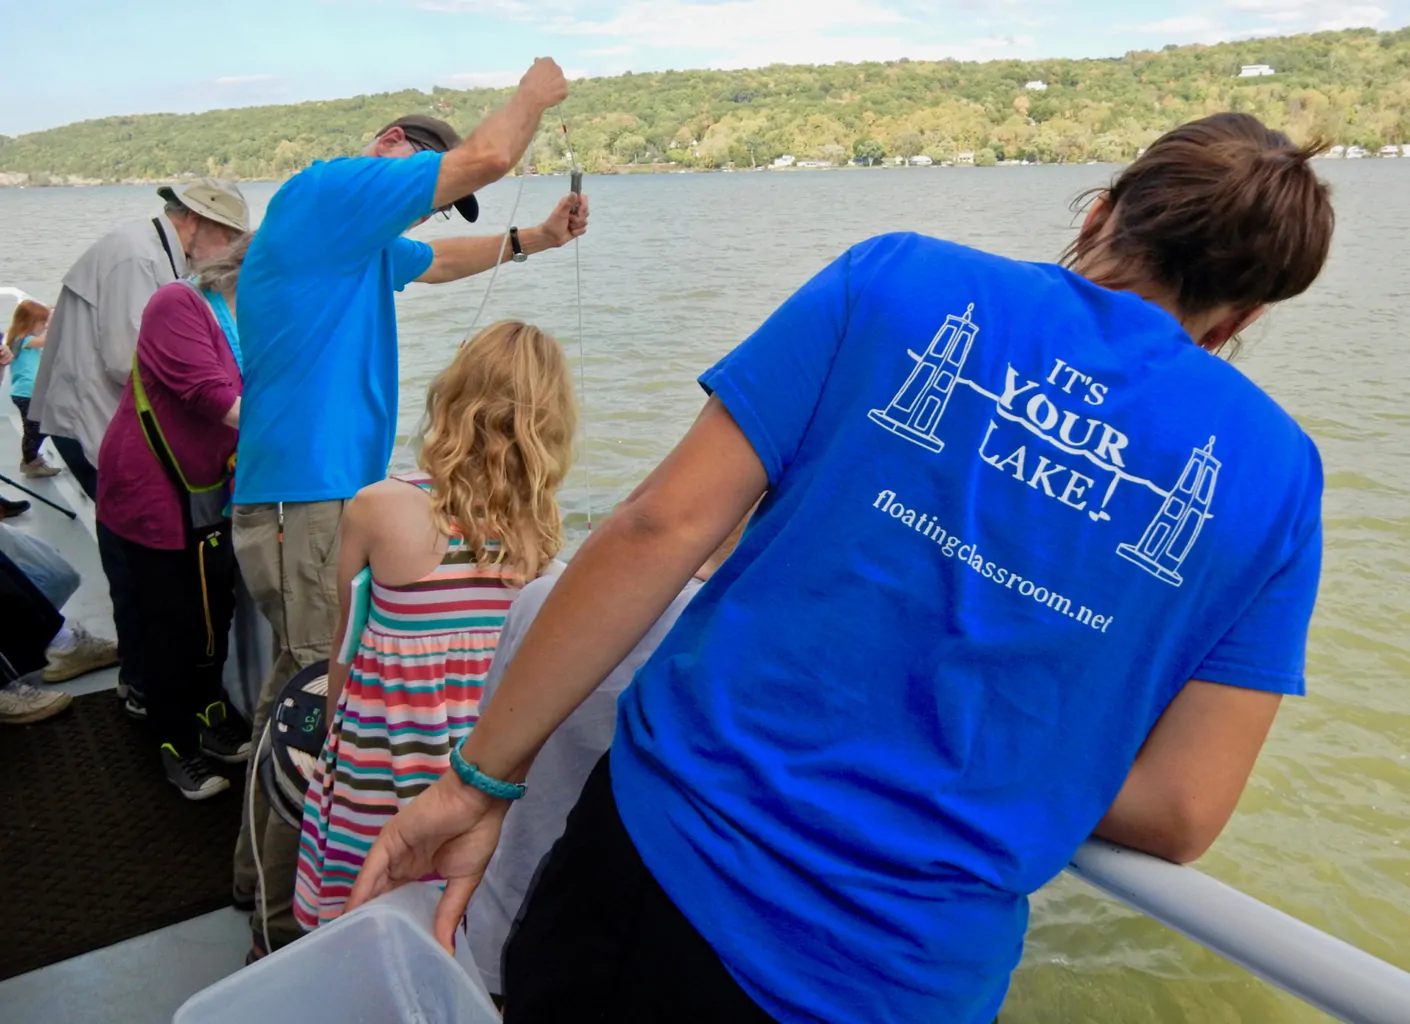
[455, 258]
[495, 146]
[232, 416]
[1189, 775]
[642, 555]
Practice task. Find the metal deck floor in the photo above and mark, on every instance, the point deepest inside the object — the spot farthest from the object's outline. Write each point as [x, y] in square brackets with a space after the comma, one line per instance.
[141, 980]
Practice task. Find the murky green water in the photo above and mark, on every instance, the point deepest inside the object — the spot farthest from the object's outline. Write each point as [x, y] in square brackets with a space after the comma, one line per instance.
[679, 268]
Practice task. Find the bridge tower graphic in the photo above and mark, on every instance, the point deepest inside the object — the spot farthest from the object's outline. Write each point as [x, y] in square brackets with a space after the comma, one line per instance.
[1172, 533]
[914, 413]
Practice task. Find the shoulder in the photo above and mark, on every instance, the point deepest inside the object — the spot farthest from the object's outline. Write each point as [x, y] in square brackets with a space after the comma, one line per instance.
[173, 299]
[903, 258]
[385, 495]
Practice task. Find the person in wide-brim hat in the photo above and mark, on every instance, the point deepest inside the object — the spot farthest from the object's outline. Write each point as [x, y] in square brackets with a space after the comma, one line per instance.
[214, 199]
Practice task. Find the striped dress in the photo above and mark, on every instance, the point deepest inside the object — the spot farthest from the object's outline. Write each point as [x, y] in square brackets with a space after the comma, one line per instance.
[413, 690]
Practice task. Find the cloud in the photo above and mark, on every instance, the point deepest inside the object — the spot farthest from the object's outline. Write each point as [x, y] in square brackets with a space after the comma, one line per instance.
[484, 79]
[245, 79]
[499, 79]
[1323, 15]
[1364, 16]
[1182, 25]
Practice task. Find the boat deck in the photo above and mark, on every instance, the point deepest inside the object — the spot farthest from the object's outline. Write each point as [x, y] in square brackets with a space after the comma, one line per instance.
[141, 980]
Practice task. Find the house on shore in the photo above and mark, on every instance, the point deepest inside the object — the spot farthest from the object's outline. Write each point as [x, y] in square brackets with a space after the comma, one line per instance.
[1256, 71]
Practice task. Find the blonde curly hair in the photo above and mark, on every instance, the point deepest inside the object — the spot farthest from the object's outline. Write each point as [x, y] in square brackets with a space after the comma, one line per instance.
[497, 444]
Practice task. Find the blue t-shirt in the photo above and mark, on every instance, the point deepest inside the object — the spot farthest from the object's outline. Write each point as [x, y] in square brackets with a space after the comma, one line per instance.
[23, 369]
[1010, 514]
[318, 328]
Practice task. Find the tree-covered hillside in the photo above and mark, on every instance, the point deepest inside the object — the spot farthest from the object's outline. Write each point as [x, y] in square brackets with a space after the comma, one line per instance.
[1350, 87]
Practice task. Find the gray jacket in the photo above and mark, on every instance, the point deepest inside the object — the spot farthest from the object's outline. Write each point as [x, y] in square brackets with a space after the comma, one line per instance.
[93, 333]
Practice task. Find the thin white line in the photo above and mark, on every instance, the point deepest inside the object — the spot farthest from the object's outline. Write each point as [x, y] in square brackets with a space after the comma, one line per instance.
[1033, 428]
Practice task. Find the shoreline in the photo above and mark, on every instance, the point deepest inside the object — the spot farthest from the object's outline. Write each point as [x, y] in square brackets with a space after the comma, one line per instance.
[75, 181]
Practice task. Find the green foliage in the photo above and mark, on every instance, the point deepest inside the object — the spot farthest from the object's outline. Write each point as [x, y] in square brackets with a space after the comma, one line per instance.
[869, 150]
[1349, 87]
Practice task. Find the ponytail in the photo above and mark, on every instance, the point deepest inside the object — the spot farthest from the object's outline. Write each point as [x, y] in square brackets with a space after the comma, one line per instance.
[1220, 211]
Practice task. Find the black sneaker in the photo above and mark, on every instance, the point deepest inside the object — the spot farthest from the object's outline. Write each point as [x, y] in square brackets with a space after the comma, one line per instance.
[222, 736]
[193, 774]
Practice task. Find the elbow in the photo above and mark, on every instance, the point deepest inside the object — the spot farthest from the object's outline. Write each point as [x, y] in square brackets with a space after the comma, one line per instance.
[1187, 833]
[647, 520]
[1180, 848]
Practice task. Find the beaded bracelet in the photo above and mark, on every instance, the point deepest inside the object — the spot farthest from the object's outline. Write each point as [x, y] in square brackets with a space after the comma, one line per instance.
[471, 775]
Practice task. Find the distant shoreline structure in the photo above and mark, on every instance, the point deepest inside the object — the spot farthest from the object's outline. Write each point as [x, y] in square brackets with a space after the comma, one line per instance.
[1345, 87]
[11, 180]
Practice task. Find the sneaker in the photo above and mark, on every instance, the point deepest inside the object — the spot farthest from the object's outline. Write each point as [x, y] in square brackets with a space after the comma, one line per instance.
[136, 706]
[193, 774]
[88, 655]
[222, 736]
[38, 468]
[10, 509]
[21, 703]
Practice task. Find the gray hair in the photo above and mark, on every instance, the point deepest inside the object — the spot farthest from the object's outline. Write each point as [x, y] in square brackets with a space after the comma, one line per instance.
[175, 208]
[221, 272]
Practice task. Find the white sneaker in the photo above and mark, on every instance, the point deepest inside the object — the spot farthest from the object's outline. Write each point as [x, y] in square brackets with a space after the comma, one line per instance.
[21, 703]
[88, 655]
[38, 468]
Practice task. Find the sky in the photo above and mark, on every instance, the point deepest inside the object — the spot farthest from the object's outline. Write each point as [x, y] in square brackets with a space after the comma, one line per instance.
[81, 59]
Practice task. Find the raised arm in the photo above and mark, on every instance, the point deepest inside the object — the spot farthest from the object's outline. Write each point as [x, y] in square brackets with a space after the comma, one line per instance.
[454, 258]
[1191, 771]
[495, 146]
[642, 555]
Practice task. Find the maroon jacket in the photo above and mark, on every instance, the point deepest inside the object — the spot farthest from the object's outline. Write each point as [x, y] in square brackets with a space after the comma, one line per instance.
[191, 380]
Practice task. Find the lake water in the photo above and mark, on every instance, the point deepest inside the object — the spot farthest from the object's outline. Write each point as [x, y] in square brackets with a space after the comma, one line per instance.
[678, 268]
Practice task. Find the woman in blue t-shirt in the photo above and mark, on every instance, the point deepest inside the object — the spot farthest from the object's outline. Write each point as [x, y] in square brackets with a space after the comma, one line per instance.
[25, 340]
[1032, 564]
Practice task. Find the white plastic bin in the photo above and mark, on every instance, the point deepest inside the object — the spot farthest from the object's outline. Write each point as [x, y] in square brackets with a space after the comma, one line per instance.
[380, 965]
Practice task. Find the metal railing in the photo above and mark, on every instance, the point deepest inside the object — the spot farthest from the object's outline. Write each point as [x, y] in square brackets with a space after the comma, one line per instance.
[1332, 975]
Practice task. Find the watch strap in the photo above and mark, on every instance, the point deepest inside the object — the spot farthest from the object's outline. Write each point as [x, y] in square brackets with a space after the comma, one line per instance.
[514, 242]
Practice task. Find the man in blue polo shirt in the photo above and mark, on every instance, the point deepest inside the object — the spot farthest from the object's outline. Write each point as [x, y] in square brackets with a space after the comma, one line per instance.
[319, 408]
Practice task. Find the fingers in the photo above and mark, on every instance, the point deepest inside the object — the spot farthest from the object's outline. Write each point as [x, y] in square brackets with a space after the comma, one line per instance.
[451, 910]
[373, 880]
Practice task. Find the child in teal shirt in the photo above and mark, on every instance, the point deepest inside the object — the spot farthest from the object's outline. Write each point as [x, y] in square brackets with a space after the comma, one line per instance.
[26, 340]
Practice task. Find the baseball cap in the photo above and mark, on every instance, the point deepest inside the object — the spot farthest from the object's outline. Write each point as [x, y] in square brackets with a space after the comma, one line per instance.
[434, 134]
[214, 199]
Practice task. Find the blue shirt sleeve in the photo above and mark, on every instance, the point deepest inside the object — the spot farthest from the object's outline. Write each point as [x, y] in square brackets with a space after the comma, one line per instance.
[1266, 648]
[410, 259]
[366, 203]
[771, 383]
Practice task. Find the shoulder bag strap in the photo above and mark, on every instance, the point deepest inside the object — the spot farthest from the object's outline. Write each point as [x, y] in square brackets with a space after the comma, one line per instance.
[161, 237]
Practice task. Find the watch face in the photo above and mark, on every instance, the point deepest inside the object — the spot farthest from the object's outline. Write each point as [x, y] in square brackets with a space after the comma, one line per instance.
[520, 257]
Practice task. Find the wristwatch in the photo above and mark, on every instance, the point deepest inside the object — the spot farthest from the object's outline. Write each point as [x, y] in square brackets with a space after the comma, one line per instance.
[519, 254]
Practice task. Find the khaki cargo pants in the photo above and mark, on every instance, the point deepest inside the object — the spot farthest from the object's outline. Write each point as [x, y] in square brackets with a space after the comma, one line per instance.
[294, 583]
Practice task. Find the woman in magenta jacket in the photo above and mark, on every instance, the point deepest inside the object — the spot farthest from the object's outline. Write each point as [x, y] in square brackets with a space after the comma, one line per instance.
[161, 471]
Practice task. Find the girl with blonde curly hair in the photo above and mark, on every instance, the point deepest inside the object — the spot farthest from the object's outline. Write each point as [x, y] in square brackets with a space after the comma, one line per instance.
[448, 548]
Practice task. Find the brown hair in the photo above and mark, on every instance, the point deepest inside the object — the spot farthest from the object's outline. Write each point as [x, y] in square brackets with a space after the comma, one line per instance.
[1220, 211]
[498, 443]
[28, 315]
